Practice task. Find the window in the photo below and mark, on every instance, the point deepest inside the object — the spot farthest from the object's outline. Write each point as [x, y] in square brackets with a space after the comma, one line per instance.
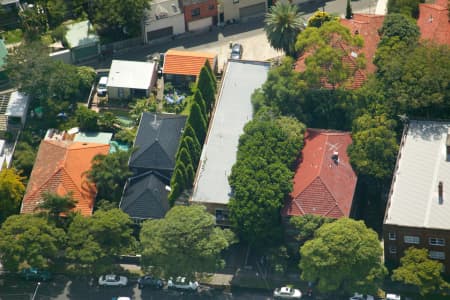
[393, 250]
[195, 12]
[436, 242]
[235, 1]
[392, 236]
[436, 255]
[410, 239]
[221, 215]
[211, 7]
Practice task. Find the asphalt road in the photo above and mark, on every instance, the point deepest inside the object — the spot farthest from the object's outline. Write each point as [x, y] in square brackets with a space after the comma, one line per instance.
[62, 289]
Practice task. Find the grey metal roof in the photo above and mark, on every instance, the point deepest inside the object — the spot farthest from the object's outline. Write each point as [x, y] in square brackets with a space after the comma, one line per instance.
[157, 141]
[17, 105]
[423, 163]
[145, 196]
[233, 110]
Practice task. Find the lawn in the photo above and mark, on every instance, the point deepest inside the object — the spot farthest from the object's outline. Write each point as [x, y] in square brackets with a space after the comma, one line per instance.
[13, 36]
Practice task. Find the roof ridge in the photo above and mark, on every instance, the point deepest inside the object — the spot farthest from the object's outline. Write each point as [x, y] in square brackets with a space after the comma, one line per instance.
[332, 208]
[33, 193]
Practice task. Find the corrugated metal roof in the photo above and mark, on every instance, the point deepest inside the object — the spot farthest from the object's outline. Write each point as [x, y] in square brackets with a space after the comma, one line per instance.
[131, 74]
[233, 110]
[423, 163]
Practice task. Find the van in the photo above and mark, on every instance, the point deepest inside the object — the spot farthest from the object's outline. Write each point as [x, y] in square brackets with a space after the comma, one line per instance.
[101, 87]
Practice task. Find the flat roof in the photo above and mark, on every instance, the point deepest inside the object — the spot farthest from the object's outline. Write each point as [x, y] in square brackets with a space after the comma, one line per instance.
[233, 110]
[423, 163]
[131, 74]
[80, 34]
[17, 105]
[3, 54]
[93, 137]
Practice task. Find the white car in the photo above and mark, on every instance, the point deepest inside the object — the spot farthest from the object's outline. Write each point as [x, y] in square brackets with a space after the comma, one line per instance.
[102, 86]
[287, 293]
[182, 283]
[392, 297]
[112, 280]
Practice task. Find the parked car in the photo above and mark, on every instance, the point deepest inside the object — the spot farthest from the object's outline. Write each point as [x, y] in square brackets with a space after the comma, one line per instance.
[182, 283]
[286, 292]
[236, 51]
[150, 281]
[112, 280]
[36, 274]
[121, 298]
[357, 296]
[392, 297]
[101, 87]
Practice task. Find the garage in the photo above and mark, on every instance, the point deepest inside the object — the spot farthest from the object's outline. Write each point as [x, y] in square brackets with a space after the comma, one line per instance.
[200, 24]
[252, 10]
[156, 34]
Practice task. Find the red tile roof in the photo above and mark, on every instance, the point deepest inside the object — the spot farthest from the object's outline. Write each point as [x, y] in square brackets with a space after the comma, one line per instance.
[60, 168]
[434, 22]
[366, 25]
[186, 63]
[321, 186]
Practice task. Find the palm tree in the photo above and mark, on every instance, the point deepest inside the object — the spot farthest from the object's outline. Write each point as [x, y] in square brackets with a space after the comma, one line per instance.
[283, 24]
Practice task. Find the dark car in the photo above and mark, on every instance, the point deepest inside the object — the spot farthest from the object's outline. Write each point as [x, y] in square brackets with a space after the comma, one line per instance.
[236, 51]
[150, 281]
[36, 274]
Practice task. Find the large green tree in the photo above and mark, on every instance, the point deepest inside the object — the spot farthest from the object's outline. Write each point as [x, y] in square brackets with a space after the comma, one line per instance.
[56, 206]
[406, 7]
[305, 226]
[343, 257]
[419, 270]
[87, 119]
[31, 240]
[197, 121]
[118, 18]
[262, 177]
[94, 242]
[24, 157]
[374, 148]
[400, 26]
[205, 85]
[109, 173]
[12, 190]
[282, 25]
[185, 242]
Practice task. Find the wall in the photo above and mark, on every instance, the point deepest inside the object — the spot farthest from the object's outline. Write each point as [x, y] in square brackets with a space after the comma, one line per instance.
[176, 22]
[211, 208]
[205, 10]
[113, 93]
[231, 10]
[424, 235]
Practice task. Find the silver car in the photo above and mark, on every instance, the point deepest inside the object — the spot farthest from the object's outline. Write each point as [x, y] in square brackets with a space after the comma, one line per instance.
[112, 280]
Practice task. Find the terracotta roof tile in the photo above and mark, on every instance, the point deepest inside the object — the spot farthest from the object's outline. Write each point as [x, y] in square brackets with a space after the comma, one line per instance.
[60, 168]
[434, 22]
[321, 186]
[186, 63]
[365, 25]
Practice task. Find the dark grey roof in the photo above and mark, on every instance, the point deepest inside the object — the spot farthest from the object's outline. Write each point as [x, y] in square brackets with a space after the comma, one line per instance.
[145, 196]
[157, 141]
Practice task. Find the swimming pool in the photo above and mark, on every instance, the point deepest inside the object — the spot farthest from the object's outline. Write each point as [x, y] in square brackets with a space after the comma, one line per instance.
[114, 145]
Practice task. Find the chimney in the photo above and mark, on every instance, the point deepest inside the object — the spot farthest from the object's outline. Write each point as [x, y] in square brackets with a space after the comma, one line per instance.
[440, 192]
[335, 157]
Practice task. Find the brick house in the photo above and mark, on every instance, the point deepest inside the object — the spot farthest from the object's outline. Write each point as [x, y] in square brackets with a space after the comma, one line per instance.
[418, 208]
[199, 14]
[324, 182]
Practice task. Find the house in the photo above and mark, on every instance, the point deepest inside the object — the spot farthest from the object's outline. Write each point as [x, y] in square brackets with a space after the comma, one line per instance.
[366, 26]
[60, 168]
[324, 182]
[418, 208]
[152, 163]
[183, 67]
[129, 79]
[164, 19]
[434, 22]
[242, 9]
[83, 42]
[199, 14]
[233, 110]
[13, 110]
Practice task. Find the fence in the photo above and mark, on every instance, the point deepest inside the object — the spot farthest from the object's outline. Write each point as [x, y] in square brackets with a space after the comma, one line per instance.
[121, 45]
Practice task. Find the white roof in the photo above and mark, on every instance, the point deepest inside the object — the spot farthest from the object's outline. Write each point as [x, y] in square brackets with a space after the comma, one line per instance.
[234, 109]
[423, 163]
[80, 34]
[131, 74]
[17, 105]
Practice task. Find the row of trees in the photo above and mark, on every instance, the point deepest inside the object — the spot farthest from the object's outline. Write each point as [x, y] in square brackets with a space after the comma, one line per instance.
[194, 134]
[261, 178]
